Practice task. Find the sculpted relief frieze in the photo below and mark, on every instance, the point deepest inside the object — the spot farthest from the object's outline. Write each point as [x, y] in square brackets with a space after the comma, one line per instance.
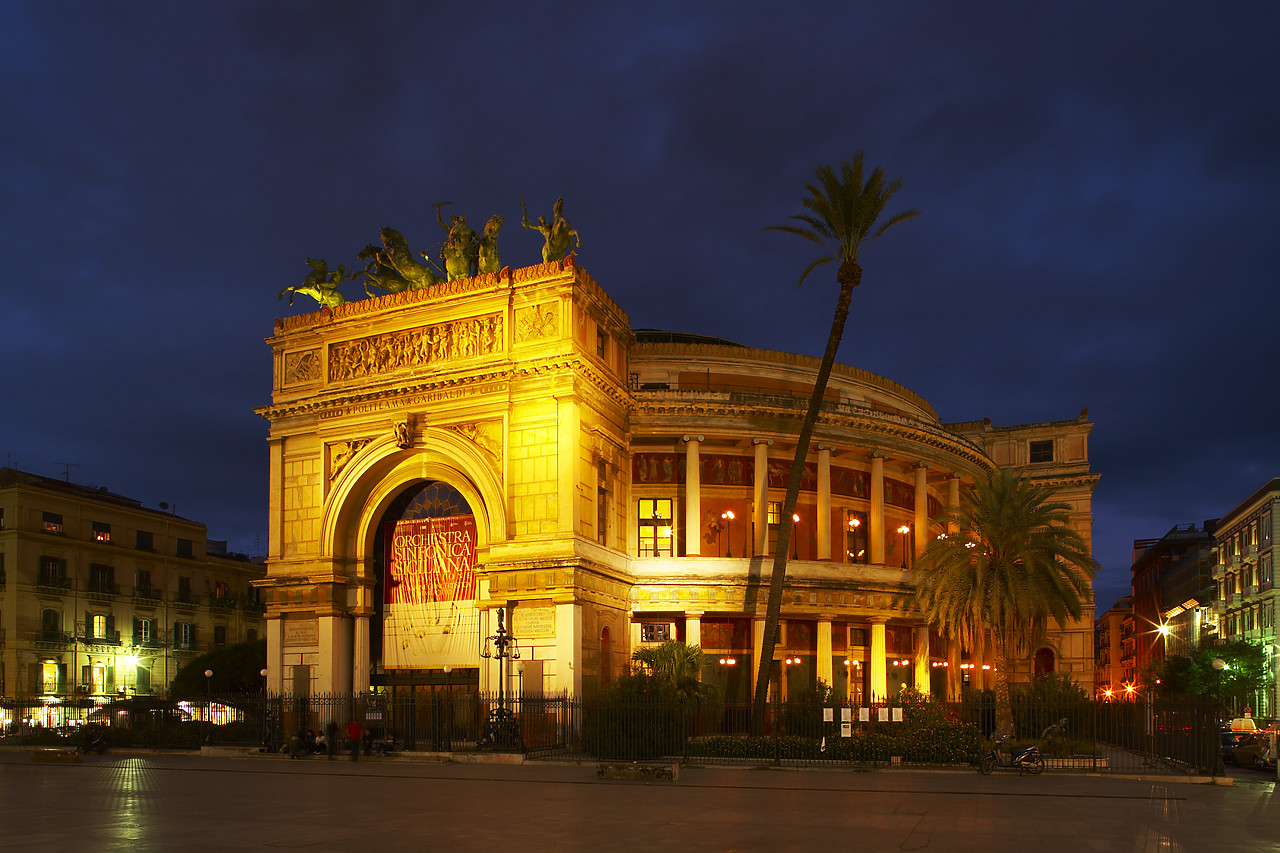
[301, 367]
[342, 453]
[414, 348]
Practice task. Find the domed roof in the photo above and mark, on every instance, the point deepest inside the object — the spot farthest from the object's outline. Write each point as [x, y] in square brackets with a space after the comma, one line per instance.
[655, 336]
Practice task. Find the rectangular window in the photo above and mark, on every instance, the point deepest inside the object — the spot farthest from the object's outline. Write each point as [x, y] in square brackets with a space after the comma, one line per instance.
[219, 635]
[53, 571]
[142, 584]
[101, 532]
[102, 579]
[602, 503]
[855, 550]
[51, 522]
[184, 636]
[655, 526]
[143, 632]
[146, 541]
[184, 590]
[1264, 536]
[221, 592]
[775, 513]
[655, 632]
[602, 342]
[1, 518]
[98, 629]
[49, 677]
[184, 548]
[1042, 451]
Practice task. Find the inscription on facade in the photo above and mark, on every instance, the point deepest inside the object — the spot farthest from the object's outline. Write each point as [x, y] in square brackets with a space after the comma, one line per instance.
[411, 348]
[301, 632]
[533, 622]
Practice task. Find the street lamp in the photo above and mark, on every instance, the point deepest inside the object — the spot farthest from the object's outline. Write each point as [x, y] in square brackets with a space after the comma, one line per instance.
[904, 530]
[503, 729]
[795, 539]
[1218, 664]
[265, 738]
[728, 517]
[208, 704]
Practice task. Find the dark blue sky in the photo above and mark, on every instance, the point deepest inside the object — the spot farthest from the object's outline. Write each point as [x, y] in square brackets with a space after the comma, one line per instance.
[1097, 185]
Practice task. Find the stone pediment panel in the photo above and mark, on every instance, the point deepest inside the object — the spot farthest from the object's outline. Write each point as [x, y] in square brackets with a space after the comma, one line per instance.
[486, 435]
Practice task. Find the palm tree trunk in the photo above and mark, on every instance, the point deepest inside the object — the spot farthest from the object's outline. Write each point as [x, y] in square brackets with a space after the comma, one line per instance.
[849, 276]
[1004, 704]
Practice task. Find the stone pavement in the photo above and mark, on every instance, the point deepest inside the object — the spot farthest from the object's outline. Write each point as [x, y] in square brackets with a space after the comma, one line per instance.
[168, 802]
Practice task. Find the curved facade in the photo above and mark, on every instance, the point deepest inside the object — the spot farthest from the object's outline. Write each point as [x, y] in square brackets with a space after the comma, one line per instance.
[614, 488]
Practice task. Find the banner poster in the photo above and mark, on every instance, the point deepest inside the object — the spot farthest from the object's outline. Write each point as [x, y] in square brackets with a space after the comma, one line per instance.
[429, 603]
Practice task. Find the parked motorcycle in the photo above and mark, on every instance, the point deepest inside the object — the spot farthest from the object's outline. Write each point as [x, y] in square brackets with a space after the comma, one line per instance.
[1026, 759]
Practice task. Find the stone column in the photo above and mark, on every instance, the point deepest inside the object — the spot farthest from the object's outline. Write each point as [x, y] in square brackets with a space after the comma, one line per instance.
[824, 651]
[922, 662]
[879, 675]
[875, 535]
[760, 512]
[360, 655]
[757, 646]
[275, 655]
[692, 497]
[693, 628]
[824, 502]
[922, 508]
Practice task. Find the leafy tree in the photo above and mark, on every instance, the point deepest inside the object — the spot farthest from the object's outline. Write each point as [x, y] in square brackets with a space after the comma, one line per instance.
[1245, 671]
[843, 211]
[1014, 564]
[236, 669]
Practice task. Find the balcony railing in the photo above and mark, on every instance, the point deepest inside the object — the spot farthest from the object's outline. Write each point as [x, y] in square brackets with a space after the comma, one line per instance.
[185, 599]
[142, 594]
[50, 637]
[51, 585]
[221, 605]
[102, 589]
[111, 639]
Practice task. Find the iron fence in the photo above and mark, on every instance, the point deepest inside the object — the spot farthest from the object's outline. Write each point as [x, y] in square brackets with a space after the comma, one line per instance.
[1125, 737]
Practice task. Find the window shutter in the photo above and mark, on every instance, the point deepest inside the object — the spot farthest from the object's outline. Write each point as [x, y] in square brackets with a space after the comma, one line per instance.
[111, 627]
[174, 639]
[62, 677]
[86, 674]
[111, 677]
[88, 625]
[137, 631]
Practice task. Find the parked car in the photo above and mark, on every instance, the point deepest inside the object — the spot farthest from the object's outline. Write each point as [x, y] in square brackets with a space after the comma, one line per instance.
[1253, 749]
[1229, 741]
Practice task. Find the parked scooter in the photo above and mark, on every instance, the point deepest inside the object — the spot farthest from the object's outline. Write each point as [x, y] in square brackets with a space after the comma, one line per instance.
[1025, 760]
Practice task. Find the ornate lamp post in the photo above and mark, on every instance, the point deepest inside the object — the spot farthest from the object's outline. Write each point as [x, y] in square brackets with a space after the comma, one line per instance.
[208, 705]
[728, 516]
[265, 735]
[904, 530]
[1219, 768]
[795, 539]
[502, 729]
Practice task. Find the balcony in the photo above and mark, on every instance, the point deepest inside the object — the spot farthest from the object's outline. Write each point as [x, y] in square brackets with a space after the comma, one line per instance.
[50, 585]
[254, 608]
[1222, 606]
[147, 595]
[102, 590]
[48, 638]
[184, 600]
[221, 605]
[111, 639]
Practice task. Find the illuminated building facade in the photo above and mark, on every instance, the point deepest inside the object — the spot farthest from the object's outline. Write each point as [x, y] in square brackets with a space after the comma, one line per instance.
[1114, 669]
[508, 442]
[1245, 577]
[101, 597]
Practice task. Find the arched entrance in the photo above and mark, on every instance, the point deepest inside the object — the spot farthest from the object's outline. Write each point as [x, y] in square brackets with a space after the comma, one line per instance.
[425, 630]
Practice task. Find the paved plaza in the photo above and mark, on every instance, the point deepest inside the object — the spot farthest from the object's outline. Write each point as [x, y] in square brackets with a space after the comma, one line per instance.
[174, 802]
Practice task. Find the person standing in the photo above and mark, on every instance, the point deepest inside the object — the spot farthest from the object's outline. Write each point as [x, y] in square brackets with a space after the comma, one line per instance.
[331, 738]
[354, 730]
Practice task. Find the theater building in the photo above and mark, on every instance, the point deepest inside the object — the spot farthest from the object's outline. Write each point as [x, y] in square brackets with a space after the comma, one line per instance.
[508, 442]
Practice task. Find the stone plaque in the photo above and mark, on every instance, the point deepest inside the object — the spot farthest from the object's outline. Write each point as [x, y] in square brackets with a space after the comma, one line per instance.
[301, 632]
[533, 621]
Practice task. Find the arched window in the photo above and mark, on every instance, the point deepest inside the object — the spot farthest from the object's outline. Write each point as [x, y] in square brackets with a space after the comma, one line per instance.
[606, 659]
[1045, 660]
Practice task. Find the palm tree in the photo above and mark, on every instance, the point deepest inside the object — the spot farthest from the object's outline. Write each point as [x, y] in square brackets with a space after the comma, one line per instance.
[676, 664]
[1013, 563]
[842, 212]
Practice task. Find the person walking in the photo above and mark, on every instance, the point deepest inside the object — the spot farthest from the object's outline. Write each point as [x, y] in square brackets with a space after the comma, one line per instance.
[331, 738]
[354, 730]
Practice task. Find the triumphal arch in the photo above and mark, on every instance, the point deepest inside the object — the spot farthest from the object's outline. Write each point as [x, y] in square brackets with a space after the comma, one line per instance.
[432, 453]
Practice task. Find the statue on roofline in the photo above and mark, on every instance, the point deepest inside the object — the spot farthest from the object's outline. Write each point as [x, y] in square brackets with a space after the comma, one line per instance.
[461, 248]
[557, 234]
[320, 284]
[487, 260]
[397, 255]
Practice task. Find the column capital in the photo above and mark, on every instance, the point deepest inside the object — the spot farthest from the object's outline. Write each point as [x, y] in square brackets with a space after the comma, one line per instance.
[826, 447]
[953, 475]
[878, 620]
[924, 465]
[696, 438]
[764, 441]
[876, 454]
[694, 614]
